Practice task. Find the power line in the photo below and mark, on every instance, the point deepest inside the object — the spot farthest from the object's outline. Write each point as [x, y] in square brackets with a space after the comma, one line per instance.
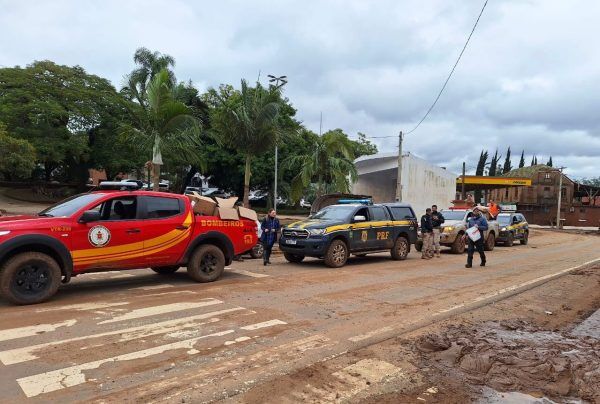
[451, 72]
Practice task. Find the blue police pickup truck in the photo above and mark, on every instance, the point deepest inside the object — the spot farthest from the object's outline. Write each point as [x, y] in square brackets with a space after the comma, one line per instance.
[336, 231]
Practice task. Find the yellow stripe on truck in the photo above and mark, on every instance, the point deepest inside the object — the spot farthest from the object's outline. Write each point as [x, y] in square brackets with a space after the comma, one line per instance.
[367, 225]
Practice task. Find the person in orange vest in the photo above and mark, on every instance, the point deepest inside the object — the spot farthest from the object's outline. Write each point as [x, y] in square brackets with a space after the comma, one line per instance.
[494, 209]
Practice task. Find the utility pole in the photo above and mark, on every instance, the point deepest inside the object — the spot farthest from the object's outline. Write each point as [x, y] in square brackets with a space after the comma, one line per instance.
[559, 197]
[399, 181]
[277, 85]
[275, 191]
[463, 195]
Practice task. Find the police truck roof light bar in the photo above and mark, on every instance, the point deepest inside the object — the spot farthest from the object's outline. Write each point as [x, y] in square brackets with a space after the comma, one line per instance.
[359, 201]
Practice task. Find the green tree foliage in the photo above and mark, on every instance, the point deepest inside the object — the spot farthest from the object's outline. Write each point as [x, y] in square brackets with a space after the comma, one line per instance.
[534, 161]
[328, 164]
[54, 108]
[148, 65]
[248, 121]
[18, 156]
[493, 170]
[507, 163]
[363, 147]
[481, 163]
[165, 127]
[591, 181]
[549, 163]
[522, 161]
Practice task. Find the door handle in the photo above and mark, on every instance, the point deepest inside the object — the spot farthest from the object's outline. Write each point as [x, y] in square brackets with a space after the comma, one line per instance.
[131, 231]
[182, 227]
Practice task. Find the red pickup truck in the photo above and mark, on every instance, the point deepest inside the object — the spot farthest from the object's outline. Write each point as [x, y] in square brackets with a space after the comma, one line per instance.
[112, 230]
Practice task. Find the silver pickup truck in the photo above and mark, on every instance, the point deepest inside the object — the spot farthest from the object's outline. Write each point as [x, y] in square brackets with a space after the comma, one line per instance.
[454, 228]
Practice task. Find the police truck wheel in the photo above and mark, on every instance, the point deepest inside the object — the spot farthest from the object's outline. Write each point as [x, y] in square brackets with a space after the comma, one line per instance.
[337, 254]
[510, 239]
[458, 247]
[418, 245]
[400, 249]
[525, 238]
[490, 243]
[29, 278]
[257, 251]
[206, 264]
[166, 270]
[293, 257]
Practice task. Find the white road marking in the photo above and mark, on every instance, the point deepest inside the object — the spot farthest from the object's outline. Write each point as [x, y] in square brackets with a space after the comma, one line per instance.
[166, 285]
[82, 306]
[179, 292]
[22, 332]
[156, 310]
[248, 273]
[500, 292]
[264, 324]
[72, 376]
[24, 354]
[119, 276]
[235, 341]
[370, 334]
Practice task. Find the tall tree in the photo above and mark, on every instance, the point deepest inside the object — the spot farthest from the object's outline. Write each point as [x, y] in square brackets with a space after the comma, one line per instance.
[480, 170]
[248, 122]
[494, 164]
[329, 164]
[18, 156]
[164, 127]
[54, 107]
[522, 161]
[363, 146]
[507, 163]
[549, 163]
[536, 161]
[148, 65]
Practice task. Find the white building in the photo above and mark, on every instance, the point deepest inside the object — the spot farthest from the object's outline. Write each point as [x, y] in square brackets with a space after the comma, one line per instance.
[423, 184]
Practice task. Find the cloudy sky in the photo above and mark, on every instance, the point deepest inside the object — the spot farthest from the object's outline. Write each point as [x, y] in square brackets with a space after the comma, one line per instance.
[528, 80]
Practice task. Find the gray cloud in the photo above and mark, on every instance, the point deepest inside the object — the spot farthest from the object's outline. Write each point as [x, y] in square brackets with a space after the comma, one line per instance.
[528, 79]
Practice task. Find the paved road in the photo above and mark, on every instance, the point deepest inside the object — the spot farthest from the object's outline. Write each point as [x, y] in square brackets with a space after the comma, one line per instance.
[138, 336]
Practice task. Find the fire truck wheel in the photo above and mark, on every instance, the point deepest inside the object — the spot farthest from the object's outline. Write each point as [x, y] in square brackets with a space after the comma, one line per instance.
[337, 254]
[29, 278]
[400, 249]
[293, 257]
[257, 251]
[166, 270]
[206, 264]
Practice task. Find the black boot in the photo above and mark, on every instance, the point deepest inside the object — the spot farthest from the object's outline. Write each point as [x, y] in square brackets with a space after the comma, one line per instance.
[482, 264]
[469, 265]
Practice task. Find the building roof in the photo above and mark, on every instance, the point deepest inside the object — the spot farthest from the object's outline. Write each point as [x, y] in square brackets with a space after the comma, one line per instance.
[529, 171]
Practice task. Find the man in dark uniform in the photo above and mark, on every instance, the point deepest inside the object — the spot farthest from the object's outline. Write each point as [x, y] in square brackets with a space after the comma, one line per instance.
[427, 235]
[437, 220]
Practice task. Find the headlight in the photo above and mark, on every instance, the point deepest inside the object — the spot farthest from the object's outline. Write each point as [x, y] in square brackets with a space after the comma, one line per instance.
[4, 232]
[316, 232]
[448, 229]
[503, 229]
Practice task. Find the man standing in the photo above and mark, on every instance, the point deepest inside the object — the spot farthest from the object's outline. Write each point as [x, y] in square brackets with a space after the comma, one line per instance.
[270, 227]
[437, 220]
[478, 221]
[427, 234]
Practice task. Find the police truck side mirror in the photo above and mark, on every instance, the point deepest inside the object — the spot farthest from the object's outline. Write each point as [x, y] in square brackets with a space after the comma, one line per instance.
[359, 218]
[89, 216]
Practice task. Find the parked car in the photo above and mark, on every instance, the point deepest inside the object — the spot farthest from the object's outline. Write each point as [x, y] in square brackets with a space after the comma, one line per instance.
[339, 230]
[513, 226]
[109, 230]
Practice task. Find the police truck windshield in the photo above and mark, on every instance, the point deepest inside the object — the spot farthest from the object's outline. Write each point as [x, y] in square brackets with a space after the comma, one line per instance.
[503, 220]
[334, 213]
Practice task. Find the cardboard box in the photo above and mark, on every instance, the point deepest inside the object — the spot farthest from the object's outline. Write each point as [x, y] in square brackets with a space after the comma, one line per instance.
[226, 213]
[247, 213]
[202, 204]
[226, 203]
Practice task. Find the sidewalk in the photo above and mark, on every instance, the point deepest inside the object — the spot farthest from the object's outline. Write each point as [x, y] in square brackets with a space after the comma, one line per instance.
[579, 228]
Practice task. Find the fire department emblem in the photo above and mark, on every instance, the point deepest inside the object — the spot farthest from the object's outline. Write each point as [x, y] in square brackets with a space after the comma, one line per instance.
[99, 236]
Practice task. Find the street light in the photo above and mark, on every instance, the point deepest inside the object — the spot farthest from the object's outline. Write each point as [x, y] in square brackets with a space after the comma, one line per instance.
[277, 83]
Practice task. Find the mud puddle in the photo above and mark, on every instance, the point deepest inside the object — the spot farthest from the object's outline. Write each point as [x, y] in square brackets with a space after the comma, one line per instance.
[514, 357]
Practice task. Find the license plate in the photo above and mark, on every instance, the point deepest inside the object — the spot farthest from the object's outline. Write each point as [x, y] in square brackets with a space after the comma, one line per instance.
[290, 241]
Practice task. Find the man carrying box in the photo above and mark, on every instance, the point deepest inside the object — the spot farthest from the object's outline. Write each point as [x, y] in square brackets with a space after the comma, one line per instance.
[477, 221]
[270, 227]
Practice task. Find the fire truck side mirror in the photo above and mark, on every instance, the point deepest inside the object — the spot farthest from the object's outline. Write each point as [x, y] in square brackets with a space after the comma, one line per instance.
[89, 216]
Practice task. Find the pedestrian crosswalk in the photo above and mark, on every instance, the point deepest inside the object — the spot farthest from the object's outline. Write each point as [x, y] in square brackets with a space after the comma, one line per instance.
[59, 357]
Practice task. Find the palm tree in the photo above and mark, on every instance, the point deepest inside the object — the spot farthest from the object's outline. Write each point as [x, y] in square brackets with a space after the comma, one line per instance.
[330, 164]
[164, 126]
[149, 64]
[247, 122]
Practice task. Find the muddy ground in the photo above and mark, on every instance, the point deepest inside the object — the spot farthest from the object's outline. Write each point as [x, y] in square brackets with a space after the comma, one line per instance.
[521, 349]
